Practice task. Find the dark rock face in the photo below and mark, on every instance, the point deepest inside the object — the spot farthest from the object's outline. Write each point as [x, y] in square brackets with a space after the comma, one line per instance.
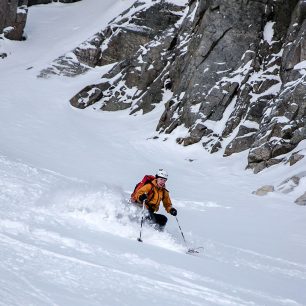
[34, 2]
[67, 1]
[283, 127]
[232, 73]
[13, 16]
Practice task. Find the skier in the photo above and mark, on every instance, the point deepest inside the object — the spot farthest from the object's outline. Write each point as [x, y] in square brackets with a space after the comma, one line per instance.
[153, 193]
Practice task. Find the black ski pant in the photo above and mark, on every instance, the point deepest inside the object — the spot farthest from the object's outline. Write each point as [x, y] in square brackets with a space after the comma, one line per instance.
[157, 219]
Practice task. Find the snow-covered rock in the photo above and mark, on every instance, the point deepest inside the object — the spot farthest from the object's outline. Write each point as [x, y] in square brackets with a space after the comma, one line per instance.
[264, 190]
[301, 200]
[13, 16]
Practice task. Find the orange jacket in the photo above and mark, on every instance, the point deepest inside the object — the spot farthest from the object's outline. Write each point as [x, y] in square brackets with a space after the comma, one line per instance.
[155, 195]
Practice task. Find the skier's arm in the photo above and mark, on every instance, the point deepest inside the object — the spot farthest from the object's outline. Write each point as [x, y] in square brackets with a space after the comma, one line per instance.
[167, 201]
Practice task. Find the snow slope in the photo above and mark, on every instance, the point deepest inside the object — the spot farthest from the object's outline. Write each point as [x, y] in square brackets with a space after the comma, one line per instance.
[67, 233]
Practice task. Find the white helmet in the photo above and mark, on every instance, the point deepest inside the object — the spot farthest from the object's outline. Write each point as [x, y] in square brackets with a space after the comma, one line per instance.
[162, 173]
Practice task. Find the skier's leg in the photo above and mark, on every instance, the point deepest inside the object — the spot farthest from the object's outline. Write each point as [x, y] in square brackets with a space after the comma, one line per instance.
[160, 221]
[157, 219]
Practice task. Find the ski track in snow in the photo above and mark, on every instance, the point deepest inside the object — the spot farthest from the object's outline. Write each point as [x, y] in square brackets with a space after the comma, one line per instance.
[180, 281]
[243, 257]
[48, 234]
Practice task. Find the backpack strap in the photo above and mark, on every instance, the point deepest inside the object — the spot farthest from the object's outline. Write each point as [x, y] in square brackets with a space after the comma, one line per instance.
[151, 192]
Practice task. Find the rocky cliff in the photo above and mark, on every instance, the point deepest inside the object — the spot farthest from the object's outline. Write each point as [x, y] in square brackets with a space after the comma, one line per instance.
[231, 74]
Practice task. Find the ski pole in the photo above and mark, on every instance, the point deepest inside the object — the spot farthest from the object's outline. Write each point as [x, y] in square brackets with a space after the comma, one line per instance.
[189, 250]
[181, 231]
[142, 217]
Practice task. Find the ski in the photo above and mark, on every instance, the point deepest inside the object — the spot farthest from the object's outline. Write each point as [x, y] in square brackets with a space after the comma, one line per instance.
[197, 250]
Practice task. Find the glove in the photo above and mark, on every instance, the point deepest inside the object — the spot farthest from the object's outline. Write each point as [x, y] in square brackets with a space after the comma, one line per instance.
[173, 211]
[143, 197]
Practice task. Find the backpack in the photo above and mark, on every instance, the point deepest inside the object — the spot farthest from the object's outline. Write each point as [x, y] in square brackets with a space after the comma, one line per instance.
[147, 179]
